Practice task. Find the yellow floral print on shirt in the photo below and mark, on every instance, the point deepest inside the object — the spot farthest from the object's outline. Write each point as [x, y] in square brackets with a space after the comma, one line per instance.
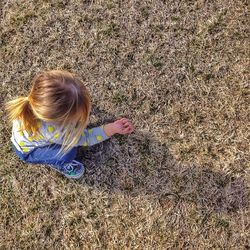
[99, 138]
[51, 129]
[56, 136]
[25, 150]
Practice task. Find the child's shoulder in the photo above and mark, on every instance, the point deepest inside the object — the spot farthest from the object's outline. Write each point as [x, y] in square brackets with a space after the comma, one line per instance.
[42, 125]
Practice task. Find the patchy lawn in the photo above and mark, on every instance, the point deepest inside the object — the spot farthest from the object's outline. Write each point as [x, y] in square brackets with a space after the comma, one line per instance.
[179, 70]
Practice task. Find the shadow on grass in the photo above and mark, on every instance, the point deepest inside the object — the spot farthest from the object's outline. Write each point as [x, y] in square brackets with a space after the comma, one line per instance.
[137, 165]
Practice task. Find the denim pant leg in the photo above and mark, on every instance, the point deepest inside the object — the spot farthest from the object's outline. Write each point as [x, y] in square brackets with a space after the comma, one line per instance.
[48, 155]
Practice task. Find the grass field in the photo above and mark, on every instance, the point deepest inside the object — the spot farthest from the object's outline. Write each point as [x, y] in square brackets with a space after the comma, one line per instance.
[179, 71]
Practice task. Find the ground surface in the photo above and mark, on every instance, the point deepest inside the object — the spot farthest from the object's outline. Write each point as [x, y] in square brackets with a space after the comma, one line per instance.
[178, 69]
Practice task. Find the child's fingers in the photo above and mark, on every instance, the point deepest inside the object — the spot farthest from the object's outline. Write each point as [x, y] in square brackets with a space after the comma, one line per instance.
[128, 128]
[127, 125]
[123, 120]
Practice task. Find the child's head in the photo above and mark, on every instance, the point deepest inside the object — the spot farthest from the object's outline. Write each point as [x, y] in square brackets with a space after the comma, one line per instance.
[56, 96]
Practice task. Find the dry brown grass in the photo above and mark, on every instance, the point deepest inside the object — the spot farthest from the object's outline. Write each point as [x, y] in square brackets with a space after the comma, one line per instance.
[178, 69]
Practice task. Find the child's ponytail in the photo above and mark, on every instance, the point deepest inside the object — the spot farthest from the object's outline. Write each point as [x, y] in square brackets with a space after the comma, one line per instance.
[20, 109]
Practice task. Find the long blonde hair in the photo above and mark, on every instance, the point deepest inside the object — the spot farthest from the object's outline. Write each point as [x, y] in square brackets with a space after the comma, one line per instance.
[56, 96]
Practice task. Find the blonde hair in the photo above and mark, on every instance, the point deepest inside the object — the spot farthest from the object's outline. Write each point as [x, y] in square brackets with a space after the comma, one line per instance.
[56, 96]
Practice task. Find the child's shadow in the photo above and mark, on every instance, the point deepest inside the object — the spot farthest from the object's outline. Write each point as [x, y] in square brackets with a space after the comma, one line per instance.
[139, 165]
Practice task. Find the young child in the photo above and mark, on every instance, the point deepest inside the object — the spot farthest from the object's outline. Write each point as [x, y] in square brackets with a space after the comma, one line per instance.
[50, 123]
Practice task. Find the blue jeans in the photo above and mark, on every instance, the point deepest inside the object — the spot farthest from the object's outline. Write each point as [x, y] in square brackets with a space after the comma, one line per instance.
[47, 155]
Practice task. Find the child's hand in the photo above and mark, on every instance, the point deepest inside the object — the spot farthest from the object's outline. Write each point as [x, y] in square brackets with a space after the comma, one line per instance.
[122, 126]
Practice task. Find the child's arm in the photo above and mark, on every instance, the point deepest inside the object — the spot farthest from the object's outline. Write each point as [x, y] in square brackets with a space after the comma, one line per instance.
[95, 135]
[92, 136]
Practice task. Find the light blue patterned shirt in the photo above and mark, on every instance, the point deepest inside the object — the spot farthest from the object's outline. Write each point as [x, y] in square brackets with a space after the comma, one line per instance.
[49, 134]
